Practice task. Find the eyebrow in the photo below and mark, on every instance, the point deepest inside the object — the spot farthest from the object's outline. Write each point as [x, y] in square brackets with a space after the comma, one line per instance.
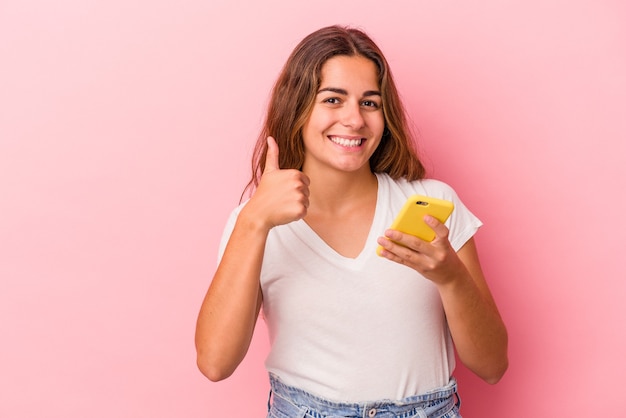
[345, 92]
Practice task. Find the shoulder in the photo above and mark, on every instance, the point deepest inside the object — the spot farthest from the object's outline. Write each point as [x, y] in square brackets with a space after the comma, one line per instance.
[434, 186]
[428, 187]
[230, 225]
[234, 212]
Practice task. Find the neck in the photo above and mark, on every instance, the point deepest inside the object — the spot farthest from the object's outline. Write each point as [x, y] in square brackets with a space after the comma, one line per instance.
[332, 190]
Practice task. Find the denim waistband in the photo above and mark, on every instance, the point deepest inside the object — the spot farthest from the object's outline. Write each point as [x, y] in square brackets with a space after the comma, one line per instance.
[296, 402]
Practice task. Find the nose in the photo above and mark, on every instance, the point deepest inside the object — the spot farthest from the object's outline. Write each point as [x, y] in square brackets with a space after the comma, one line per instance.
[351, 116]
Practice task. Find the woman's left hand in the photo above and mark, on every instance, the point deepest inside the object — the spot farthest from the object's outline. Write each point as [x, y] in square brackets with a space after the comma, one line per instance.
[476, 327]
[435, 260]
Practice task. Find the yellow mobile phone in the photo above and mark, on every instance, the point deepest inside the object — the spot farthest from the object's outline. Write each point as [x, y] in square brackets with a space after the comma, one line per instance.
[410, 219]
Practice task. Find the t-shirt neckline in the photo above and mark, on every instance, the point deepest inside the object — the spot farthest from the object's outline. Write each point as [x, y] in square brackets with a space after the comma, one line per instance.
[307, 233]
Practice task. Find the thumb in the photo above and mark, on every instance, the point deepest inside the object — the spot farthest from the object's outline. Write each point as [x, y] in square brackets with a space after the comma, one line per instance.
[271, 157]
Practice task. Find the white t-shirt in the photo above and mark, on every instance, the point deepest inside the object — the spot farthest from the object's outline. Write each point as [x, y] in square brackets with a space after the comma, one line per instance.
[357, 329]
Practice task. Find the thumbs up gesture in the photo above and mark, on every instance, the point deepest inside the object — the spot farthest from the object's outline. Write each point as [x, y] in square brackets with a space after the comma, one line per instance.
[282, 195]
[271, 157]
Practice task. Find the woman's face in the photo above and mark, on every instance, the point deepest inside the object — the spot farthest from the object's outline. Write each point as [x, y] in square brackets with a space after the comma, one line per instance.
[347, 121]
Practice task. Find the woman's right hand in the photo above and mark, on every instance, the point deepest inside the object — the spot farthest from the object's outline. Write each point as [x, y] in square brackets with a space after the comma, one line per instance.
[282, 196]
[231, 306]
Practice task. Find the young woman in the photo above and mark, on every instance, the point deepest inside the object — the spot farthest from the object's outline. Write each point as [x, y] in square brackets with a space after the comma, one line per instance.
[352, 333]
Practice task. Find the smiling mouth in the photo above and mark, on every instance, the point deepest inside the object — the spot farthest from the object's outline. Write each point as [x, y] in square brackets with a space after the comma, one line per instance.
[346, 142]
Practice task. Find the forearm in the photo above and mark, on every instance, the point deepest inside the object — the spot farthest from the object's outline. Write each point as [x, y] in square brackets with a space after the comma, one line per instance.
[230, 308]
[479, 334]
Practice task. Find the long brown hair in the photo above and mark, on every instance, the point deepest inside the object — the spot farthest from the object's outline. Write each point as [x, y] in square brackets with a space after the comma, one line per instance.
[294, 93]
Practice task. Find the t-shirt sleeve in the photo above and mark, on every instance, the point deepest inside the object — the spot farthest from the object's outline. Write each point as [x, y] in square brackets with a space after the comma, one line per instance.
[228, 230]
[463, 224]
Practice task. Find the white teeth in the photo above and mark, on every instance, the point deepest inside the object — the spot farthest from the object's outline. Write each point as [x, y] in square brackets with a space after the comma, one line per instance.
[346, 142]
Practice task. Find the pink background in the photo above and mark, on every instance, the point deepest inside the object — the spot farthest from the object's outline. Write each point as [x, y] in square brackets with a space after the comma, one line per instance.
[126, 128]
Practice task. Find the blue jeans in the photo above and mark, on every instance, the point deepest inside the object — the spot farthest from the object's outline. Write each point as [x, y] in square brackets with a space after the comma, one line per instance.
[291, 402]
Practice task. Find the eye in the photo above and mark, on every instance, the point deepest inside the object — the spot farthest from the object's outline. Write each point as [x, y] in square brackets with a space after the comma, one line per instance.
[370, 103]
[331, 100]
